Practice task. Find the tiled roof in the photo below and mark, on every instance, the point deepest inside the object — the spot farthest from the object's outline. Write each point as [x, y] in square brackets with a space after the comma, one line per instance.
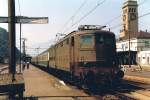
[143, 35]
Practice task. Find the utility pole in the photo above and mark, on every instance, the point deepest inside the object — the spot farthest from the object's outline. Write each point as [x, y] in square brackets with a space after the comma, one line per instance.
[20, 46]
[8, 82]
[12, 36]
[129, 46]
[37, 54]
[129, 52]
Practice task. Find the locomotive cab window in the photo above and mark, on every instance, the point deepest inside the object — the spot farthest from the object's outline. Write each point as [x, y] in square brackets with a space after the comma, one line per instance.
[99, 39]
[110, 40]
[86, 40]
[105, 39]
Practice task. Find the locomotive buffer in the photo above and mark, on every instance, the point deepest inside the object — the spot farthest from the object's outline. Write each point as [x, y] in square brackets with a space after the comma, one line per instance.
[13, 83]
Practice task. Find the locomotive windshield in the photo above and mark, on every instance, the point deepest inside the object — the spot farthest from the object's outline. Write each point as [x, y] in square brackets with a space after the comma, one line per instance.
[106, 39]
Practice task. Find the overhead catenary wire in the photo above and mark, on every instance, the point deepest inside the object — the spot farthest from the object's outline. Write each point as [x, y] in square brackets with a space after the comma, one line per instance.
[20, 33]
[144, 24]
[84, 16]
[89, 12]
[74, 15]
[116, 26]
[115, 18]
[144, 15]
[138, 18]
[141, 3]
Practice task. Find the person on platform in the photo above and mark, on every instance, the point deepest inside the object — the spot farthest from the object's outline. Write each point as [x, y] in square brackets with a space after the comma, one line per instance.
[23, 65]
[27, 65]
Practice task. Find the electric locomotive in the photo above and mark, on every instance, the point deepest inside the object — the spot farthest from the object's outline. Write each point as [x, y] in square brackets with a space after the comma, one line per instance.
[89, 55]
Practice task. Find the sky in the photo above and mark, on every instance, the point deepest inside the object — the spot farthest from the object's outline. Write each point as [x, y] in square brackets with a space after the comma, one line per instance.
[61, 11]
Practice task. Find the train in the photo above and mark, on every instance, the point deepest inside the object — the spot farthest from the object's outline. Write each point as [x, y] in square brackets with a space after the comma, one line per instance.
[87, 54]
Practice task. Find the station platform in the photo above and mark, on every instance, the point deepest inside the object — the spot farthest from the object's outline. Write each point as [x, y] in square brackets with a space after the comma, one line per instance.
[144, 74]
[44, 86]
[138, 77]
[135, 68]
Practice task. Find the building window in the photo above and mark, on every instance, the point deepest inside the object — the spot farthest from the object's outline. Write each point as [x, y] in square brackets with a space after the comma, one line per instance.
[130, 9]
[134, 10]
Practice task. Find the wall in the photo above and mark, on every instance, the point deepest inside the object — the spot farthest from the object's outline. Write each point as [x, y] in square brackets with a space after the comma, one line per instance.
[142, 46]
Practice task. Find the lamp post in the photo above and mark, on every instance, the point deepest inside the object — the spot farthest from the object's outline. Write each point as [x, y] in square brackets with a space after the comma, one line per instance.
[20, 47]
[37, 54]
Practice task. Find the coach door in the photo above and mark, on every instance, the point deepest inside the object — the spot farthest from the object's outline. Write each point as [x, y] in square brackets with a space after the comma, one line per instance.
[72, 55]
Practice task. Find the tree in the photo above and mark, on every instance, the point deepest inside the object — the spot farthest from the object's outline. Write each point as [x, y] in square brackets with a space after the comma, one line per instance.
[4, 45]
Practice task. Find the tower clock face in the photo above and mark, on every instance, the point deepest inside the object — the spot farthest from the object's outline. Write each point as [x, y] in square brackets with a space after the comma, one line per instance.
[124, 17]
[133, 16]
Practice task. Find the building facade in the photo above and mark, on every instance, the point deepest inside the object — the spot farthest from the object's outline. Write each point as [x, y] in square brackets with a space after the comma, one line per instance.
[130, 37]
[129, 19]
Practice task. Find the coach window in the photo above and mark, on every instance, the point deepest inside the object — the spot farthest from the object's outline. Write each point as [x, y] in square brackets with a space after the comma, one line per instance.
[61, 44]
[72, 41]
[67, 41]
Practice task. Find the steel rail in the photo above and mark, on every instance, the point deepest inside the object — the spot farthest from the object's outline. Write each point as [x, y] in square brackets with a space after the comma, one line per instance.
[3, 69]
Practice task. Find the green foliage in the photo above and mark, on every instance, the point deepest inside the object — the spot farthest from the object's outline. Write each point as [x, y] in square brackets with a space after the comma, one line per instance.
[4, 45]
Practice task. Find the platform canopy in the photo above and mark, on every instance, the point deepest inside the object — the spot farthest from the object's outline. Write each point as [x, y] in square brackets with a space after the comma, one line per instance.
[26, 20]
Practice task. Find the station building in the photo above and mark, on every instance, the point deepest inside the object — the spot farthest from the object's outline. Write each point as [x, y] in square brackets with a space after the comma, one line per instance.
[139, 40]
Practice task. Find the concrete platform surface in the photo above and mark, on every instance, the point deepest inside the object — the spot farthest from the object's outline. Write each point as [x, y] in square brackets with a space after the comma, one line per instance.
[6, 79]
[143, 74]
[46, 87]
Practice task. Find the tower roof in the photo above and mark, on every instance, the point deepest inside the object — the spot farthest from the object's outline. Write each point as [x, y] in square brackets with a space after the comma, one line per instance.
[130, 3]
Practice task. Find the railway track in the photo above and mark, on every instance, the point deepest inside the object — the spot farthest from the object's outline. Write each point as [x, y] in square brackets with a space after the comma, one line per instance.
[3, 69]
[133, 95]
[127, 90]
[132, 91]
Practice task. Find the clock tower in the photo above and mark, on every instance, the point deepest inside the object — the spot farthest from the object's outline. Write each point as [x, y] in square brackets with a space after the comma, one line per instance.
[129, 19]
